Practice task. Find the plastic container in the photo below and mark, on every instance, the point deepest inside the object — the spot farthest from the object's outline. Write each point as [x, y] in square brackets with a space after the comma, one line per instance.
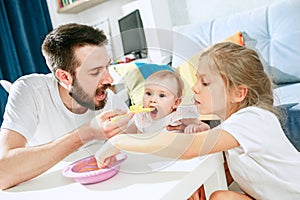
[86, 171]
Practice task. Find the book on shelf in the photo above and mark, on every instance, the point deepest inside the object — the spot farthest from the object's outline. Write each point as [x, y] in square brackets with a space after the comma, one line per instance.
[63, 3]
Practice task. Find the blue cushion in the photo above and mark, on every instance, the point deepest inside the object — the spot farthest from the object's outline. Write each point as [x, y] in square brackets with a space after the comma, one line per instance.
[147, 69]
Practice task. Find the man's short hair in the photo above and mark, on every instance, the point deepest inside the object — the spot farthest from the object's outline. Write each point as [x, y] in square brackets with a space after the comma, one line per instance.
[59, 45]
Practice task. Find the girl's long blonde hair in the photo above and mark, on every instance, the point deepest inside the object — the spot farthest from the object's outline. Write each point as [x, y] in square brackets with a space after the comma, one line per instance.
[239, 65]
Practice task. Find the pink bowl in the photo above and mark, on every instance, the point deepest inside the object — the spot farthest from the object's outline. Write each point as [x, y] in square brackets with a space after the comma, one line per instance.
[86, 171]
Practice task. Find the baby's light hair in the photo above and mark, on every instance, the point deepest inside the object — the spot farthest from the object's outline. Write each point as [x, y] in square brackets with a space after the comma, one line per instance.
[239, 65]
[167, 74]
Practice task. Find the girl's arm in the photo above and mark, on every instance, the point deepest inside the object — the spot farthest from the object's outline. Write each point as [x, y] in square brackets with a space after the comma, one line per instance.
[172, 145]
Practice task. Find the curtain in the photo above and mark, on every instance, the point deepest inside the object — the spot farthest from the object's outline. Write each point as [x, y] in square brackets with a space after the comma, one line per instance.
[23, 27]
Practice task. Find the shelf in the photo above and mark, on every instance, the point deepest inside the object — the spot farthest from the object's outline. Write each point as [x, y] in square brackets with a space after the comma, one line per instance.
[79, 6]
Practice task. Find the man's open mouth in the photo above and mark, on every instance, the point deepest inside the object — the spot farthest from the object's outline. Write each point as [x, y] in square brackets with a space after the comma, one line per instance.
[100, 95]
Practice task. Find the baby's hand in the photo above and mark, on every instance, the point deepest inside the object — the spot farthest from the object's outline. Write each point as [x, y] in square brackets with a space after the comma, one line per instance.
[195, 128]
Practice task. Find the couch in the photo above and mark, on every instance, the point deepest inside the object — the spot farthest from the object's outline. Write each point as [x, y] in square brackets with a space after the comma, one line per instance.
[274, 32]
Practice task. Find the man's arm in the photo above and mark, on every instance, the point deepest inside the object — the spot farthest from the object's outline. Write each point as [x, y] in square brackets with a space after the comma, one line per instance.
[19, 163]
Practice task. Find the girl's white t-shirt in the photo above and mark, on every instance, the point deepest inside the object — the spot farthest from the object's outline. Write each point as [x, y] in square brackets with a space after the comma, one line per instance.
[265, 165]
[35, 110]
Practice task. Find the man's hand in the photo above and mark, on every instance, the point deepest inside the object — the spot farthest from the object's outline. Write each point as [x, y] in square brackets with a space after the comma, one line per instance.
[103, 124]
[101, 127]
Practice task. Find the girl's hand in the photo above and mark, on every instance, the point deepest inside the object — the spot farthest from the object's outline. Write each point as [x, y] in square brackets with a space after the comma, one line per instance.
[108, 162]
[105, 156]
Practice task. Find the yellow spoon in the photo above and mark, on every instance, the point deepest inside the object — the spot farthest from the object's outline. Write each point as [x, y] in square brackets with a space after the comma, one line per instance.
[135, 109]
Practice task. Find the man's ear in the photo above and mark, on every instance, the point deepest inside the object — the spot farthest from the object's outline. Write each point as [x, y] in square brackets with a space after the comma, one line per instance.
[240, 93]
[177, 103]
[64, 77]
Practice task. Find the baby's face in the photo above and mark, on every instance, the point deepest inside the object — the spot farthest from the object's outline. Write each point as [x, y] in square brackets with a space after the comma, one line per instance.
[161, 98]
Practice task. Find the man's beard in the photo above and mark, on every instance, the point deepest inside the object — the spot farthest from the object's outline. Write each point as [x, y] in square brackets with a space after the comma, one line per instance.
[86, 100]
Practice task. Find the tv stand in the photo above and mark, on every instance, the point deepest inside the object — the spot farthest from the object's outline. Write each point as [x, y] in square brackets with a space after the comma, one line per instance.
[139, 54]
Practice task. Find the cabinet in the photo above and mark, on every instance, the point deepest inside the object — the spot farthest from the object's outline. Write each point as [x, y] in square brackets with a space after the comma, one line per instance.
[77, 6]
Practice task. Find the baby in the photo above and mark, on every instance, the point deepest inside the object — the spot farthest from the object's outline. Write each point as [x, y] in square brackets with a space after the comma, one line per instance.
[163, 94]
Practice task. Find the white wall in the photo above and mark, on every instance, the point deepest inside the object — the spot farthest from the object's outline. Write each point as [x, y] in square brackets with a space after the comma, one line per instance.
[198, 11]
[158, 15]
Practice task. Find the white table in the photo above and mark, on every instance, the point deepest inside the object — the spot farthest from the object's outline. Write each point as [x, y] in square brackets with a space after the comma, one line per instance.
[140, 177]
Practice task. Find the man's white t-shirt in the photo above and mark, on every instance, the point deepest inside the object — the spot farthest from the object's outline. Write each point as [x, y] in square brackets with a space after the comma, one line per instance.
[35, 110]
[265, 165]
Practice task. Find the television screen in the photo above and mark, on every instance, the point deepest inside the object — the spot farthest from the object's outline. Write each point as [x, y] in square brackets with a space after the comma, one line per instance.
[133, 35]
